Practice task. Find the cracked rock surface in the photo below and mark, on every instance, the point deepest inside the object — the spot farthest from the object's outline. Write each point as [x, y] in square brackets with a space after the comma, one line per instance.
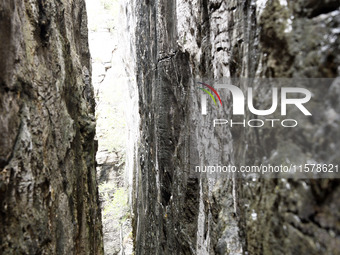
[177, 213]
[48, 192]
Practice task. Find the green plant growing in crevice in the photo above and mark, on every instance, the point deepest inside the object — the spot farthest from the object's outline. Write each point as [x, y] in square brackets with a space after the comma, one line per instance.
[117, 207]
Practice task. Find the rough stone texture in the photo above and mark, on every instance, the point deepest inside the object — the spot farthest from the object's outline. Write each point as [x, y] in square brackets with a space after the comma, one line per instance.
[48, 191]
[176, 213]
[165, 198]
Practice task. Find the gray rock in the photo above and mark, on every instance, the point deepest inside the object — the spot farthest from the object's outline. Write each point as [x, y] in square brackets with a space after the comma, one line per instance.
[177, 213]
[48, 192]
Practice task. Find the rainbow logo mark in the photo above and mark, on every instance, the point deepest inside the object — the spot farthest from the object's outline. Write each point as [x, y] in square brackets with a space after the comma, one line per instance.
[213, 90]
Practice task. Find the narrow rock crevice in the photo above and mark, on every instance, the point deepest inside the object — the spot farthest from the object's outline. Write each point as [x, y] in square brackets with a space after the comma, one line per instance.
[104, 127]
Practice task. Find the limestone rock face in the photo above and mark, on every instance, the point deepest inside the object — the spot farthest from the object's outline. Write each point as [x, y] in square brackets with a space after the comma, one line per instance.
[48, 190]
[177, 213]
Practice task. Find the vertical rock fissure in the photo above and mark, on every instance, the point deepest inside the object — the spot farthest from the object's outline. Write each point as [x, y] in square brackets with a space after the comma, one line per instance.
[113, 80]
[99, 152]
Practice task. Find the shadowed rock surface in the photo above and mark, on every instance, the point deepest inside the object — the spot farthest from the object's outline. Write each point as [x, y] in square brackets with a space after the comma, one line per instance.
[48, 191]
[176, 213]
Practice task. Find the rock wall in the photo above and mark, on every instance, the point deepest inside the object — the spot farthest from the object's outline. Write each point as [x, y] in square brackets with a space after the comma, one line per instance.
[178, 213]
[48, 189]
[165, 198]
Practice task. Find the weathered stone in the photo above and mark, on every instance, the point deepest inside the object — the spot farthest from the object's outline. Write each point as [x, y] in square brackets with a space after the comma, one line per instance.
[176, 213]
[48, 199]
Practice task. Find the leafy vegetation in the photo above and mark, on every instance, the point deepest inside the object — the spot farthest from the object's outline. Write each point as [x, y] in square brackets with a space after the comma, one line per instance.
[116, 208]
